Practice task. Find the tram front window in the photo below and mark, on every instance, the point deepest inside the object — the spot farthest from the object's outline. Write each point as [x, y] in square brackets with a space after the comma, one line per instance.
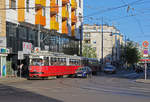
[37, 62]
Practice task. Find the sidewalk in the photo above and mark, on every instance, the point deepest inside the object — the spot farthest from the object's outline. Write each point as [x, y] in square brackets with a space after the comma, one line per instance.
[11, 79]
[143, 81]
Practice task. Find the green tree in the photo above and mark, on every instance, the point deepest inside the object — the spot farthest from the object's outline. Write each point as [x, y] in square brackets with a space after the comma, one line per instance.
[131, 53]
[89, 52]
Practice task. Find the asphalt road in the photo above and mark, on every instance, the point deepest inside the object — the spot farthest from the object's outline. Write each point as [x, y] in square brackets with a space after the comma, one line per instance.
[102, 88]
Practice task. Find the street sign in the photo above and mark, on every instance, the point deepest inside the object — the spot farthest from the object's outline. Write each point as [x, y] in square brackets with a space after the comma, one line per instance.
[145, 53]
[20, 55]
[145, 43]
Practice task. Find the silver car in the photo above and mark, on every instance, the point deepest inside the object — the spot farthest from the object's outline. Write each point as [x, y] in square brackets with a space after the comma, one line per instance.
[109, 69]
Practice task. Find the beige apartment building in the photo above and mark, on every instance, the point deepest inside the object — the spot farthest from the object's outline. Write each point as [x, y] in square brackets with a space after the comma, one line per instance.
[112, 41]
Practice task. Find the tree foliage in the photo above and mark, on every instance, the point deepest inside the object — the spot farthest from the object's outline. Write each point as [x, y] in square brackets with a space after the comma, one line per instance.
[89, 52]
[131, 54]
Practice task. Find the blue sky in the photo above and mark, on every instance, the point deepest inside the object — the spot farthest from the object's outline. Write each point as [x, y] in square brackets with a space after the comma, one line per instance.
[134, 23]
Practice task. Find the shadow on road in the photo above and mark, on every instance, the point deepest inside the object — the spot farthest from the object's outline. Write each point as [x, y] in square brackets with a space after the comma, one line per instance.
[12, 94]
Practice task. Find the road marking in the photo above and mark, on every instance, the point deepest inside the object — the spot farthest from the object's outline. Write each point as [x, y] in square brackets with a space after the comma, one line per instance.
[141, 88]
[135, 93]
[130, 74]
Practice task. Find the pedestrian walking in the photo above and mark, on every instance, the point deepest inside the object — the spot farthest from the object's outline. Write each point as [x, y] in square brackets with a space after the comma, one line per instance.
[20, 69]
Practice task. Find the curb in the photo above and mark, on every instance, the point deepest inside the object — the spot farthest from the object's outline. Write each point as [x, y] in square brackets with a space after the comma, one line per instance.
[11, 80]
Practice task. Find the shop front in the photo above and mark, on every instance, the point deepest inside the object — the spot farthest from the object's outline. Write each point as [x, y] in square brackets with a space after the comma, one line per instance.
[3, 55]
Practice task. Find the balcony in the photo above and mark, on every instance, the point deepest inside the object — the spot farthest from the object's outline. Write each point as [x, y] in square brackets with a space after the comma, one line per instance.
[64, 30]
[21, 12]
[65, 14]
[64, 27]
[40, 3]
[74, 19]
[39, 19]
[54, 10]
[64, 2]
[73, 33]
[73, 5]
[54, 25]
[73, 30]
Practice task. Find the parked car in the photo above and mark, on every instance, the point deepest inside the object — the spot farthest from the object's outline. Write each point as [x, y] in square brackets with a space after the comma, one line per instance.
[83, 72]
[109, 69]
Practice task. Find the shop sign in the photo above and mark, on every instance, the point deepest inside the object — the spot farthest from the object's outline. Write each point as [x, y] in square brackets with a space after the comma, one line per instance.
[4, 50]
[3, 41]
[27, 48]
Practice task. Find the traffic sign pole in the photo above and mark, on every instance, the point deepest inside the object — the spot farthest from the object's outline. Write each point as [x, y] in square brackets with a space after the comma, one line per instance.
[145, 70]
[145, 45]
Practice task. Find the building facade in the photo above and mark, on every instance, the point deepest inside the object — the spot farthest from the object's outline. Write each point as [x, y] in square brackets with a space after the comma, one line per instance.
[53, 25]
[112, 40]
[3, 49]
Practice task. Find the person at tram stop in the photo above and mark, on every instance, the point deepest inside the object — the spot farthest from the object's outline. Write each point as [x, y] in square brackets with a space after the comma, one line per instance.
[20, 67]
[25, 69]
[15, 69]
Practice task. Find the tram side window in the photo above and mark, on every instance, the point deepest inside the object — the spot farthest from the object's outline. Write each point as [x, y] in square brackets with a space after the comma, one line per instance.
[53, 61]
[62, 61]
[77, 62]
[46, 61]
[37, 62]
[70, 62]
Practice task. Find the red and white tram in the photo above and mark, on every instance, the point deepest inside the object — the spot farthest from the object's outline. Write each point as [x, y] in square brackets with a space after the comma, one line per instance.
[45, 64]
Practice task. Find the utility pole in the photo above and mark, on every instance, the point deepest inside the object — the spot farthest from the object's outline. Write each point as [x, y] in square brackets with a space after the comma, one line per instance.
[39, 31]
[81, 34]
[102, 43]
[125, 50]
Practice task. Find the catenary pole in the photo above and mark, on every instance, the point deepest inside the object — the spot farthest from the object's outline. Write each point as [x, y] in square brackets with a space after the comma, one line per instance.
[102, 43]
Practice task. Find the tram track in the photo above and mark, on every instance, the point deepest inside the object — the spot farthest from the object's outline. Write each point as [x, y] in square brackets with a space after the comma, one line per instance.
[93, 85]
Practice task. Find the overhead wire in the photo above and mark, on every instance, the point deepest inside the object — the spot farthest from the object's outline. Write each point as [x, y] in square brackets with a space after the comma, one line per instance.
[114, 8]
[137, 20]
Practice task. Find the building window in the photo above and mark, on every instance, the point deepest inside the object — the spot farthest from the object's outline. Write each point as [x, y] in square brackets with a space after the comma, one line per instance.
[87, 35]
[80, 17]
[27, 5]
[43, 13]
[94, 42]
[57, 18]
[80, 3]
[12, 4]
[67, 6]
[57, 2]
